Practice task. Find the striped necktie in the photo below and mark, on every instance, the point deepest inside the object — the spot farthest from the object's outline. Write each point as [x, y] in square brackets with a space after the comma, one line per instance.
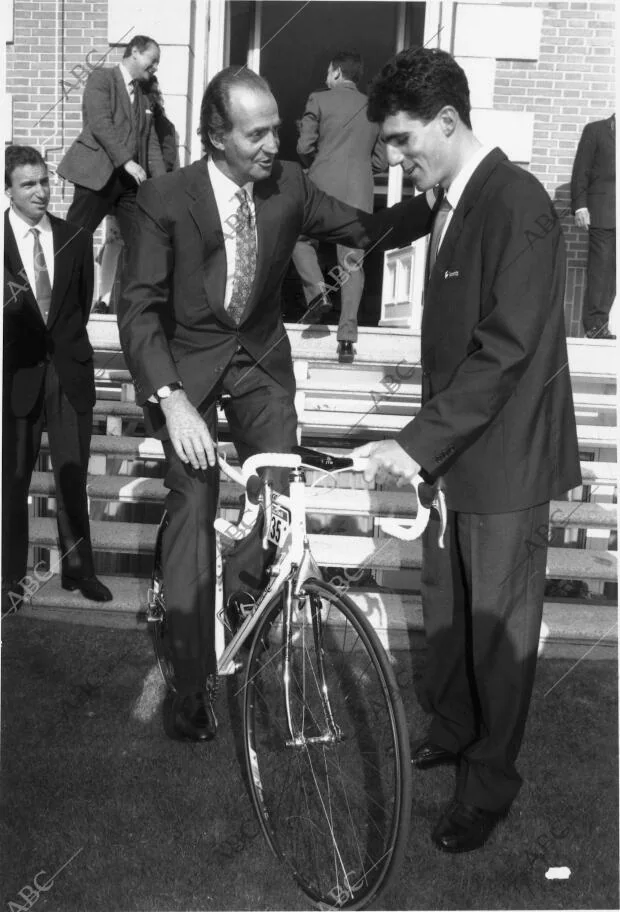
[245, 258]
[438, 226]
[43, 286]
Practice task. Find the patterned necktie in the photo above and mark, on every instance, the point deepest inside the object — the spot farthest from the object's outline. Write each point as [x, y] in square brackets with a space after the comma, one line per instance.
[43, 287]
[438, 226]
[135, 103]
[245, 258]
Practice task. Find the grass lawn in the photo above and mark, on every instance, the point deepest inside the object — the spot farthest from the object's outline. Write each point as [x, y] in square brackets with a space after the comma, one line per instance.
[161, 825]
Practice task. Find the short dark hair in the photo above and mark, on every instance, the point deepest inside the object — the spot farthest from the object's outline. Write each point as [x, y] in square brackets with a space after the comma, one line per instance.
[215, 107]
[141, 42]
[15, 157]
[420, 81]
[350, 64]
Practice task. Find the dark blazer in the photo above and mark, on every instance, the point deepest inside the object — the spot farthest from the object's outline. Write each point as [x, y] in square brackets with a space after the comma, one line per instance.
[28, 342]
[172, 321]
[497, 418]
[108, 137]
[593, 182]
[340, 145]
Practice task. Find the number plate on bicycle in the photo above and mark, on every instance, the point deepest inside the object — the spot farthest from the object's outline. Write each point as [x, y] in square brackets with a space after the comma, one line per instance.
[280, 521]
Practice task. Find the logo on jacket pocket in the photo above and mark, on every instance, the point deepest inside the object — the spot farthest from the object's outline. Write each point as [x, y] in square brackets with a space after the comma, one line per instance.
[451, 274]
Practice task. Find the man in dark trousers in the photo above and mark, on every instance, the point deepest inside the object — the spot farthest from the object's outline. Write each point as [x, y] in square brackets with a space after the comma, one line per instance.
[496, 426]
[593, 196]
[341, 149]
[48, 377]
[200, 316]
[118, 147]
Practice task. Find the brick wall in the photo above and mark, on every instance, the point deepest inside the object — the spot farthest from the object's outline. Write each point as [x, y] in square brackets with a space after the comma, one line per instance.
[572, 83]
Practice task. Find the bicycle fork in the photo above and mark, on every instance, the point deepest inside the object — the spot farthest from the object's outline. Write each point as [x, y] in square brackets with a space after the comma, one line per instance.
[295, 600]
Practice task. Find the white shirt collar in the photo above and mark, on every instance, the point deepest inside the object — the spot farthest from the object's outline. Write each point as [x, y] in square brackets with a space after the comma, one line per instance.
[20, 226]
[127, 77]
[457, 187]
[224, 188]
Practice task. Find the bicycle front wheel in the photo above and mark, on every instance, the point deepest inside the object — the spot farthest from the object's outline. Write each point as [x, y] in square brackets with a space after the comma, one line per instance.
[327, 748]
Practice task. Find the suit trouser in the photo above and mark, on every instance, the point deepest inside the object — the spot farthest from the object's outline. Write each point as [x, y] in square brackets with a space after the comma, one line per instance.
[118, 197]
[482, 600]
[261, 418]
[350, 283]
[69, 436]
[601, 288]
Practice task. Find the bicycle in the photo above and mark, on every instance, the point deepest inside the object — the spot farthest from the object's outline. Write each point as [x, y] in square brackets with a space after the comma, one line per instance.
[325, 736]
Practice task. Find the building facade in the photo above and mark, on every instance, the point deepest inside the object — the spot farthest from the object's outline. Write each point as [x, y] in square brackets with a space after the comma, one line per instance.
[538, 71]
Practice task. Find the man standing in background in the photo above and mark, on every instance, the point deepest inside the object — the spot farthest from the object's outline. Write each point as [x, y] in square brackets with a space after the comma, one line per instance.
[48, 376]
[118, 147]
[593, 196]
[341, 150]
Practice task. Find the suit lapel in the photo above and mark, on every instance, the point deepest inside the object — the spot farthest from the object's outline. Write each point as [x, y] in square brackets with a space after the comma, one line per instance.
[63, 235]
[122, 92]
[266, 235]
[15, 268]
[468, 199]
[203, 210]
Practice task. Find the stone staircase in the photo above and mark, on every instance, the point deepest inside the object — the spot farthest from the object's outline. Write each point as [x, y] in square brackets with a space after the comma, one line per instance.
[339, 407]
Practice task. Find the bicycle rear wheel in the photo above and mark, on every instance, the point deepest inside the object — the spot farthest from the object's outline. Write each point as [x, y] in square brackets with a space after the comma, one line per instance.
[334, 801]
[156, 616]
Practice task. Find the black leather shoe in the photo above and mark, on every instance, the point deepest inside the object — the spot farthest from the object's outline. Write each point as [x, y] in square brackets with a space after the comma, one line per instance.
[90, 587]
[190, 718]
[601, 333]
[427, 754]
[345, 352]
[464, 828]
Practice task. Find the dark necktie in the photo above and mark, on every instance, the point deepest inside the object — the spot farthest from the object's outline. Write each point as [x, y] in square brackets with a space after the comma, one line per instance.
[438, 226]
[43, 287]
[245, 258]
[135, 104]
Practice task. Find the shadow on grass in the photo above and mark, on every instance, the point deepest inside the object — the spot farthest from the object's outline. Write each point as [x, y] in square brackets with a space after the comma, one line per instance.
[166, 825]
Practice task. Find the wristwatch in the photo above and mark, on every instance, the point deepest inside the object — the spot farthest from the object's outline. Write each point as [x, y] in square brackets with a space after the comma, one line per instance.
[164, 391]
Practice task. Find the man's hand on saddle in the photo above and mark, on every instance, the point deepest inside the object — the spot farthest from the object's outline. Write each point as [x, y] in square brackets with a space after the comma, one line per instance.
[188, 432]
[387, 461]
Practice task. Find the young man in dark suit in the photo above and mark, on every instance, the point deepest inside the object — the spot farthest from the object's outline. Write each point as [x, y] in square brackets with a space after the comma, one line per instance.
[48, 377]
[496, 425]
[593, 196]
[341, 149]
[200, 316]
[118, 147]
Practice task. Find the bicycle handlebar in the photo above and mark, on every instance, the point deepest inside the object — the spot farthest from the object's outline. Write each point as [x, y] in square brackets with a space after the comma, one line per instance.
[403, 530]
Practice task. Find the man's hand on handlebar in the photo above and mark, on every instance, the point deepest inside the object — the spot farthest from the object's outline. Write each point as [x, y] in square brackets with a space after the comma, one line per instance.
[188, 432]
[387, 460]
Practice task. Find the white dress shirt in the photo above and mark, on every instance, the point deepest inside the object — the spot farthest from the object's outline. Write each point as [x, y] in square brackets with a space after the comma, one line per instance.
[457, 187]
[227, 204]
[25, 244]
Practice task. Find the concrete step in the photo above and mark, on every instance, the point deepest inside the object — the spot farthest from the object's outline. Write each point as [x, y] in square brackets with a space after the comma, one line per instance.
[349, 551]
[322, 500]
[571, 630]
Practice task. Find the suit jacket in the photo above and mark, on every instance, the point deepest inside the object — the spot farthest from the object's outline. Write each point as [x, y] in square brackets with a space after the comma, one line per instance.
[108, 137]
[172, 321]
[497, 418]
[29, 343]
[593, 182]
[340, 145]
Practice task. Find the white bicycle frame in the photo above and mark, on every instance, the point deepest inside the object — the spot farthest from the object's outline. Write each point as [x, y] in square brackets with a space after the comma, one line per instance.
[293, 551]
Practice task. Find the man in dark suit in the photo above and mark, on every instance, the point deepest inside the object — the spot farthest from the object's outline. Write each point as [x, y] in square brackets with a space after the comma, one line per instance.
[593, 196]
[118, 147]
[341, 149]
[48, 374]
[200, 316]
[496, 425]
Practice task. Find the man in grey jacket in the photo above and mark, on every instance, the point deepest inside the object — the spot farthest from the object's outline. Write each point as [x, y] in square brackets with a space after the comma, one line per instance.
[341, 149]
[118, 148]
